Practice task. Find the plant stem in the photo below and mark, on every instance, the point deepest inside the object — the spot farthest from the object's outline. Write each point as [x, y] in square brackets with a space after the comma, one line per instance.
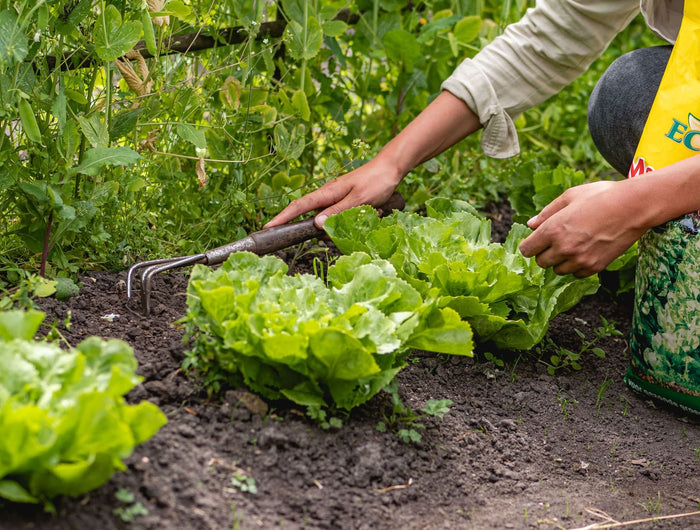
[108, 97]
[303, 62]
[45, 249]
[83, 140]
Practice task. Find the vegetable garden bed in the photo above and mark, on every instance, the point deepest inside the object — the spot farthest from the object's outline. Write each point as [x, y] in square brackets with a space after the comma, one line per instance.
[520, 448]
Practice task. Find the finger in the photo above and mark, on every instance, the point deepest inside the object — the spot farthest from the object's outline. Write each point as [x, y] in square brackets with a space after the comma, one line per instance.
[566, 267]
[349, 201]
[549, 258]
[327, 194]
[548, 211]
[535, 244]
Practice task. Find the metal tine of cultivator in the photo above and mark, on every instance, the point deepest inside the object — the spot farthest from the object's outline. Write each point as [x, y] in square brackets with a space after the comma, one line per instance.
[153, 267]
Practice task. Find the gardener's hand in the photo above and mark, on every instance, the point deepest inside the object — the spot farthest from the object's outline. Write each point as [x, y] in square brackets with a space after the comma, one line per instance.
[370, 184]
[587, 227]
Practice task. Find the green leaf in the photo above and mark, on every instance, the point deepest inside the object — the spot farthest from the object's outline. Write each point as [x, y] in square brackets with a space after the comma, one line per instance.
[44, 288]
[75, 96]
[402, 47]
[124, 123]
[294, 9]
[343, 356]
[99, 157]
[467, 29]
[12, 491]
[59, 109]
[20, 324]
[267, 113]
[69, 25]
[289, 144]
[7, 179]
[301, 105]
[113, 38]
[13, 43]
[125, 496]
[37, 190]
[94, 130]
[334, 28]
[437, 407]
[392, 5]
[304, 41]
[437, 25]
[191, 134]
[177, 9]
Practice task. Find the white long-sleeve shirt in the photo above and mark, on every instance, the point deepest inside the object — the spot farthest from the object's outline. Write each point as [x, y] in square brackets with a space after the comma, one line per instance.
[554, 43]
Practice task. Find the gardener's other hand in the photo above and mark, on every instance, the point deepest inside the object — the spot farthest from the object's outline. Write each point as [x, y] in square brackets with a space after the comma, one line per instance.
[586, 228]
[370, 184]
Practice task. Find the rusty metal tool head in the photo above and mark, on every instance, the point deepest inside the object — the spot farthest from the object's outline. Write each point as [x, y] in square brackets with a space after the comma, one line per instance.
[261, 242]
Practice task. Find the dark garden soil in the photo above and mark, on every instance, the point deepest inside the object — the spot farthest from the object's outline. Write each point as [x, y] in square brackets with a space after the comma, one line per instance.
[519, 449]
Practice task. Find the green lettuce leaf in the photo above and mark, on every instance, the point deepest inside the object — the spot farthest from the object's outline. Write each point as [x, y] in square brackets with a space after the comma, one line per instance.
[66, 427]
[506, 297]
[334, 344]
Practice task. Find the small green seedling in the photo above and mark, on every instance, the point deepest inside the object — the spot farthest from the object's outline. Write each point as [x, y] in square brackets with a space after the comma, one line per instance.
[490, 357]
[404, 421]
[130, 510]
[563, 357]
[652, 505]
[320, 416]
[607, 382]
[244, 483]
[566, 404]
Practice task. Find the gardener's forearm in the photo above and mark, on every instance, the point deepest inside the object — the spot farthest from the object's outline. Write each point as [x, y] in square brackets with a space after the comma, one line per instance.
[442, 124]
[667, 193]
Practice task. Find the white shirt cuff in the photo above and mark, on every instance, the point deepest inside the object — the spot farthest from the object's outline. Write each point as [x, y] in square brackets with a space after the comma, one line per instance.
[499, 138]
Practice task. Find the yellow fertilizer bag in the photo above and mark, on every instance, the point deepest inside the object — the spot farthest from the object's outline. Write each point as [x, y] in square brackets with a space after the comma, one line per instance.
[665, 338]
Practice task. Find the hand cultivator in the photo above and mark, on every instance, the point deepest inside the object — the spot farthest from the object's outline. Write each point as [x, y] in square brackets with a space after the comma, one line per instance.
[261, 242]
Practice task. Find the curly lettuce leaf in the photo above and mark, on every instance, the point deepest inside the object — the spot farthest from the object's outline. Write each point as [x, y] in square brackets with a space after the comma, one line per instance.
[66, 427]
[506, 297]
[314, 343]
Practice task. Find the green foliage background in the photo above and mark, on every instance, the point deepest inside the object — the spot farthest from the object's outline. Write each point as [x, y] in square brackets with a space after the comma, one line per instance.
[96, 174]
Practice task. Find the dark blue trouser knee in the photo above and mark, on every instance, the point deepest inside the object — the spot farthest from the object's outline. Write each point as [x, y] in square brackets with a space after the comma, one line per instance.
[619, 104]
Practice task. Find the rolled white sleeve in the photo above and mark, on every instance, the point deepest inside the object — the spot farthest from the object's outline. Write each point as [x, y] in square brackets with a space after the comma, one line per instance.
[554, 43]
